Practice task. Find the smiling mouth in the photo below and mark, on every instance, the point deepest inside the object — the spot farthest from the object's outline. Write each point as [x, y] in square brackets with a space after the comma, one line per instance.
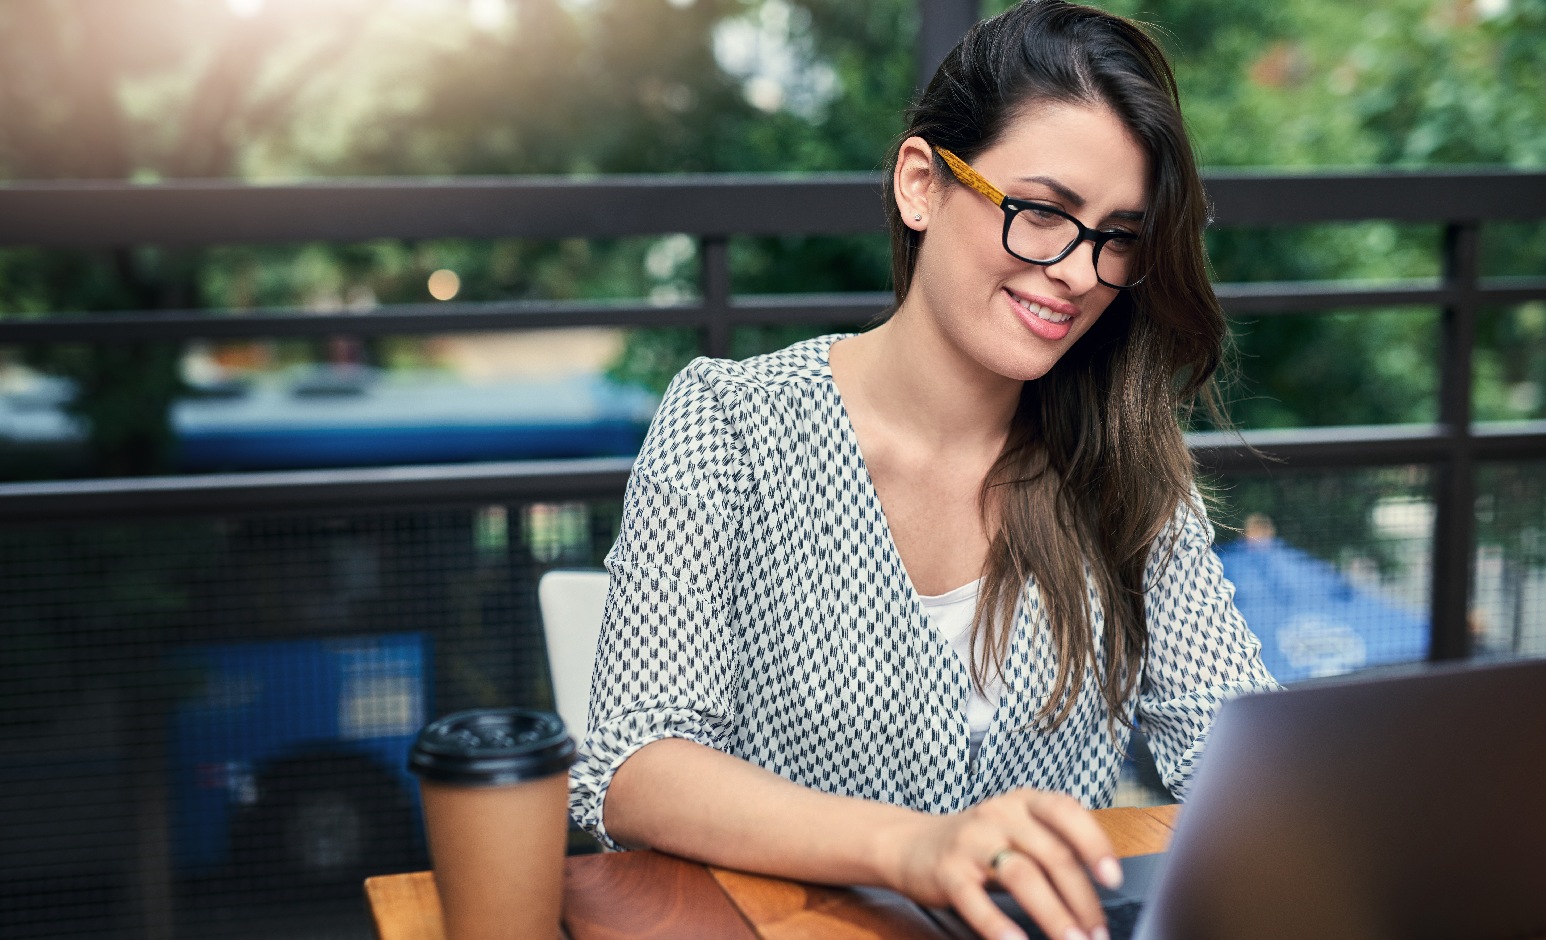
[1041, 312]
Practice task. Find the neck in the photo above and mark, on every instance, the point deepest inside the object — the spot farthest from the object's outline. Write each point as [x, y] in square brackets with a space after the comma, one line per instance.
[919, 383]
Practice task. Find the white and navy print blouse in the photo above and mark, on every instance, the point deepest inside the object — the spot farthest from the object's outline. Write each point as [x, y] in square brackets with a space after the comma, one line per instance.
[758, 606]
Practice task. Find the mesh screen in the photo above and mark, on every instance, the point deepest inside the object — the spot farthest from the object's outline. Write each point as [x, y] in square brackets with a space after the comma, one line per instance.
[1332, 569]
[1508, 614]
[203, 723]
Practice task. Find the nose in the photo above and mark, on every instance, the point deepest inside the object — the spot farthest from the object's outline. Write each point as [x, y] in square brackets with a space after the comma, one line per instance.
[1077, 271]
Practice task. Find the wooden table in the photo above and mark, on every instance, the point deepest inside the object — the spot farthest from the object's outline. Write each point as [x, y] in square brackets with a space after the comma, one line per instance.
[647, 894]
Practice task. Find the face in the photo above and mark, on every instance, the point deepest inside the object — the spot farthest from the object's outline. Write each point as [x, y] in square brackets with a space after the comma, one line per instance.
[1014, 318]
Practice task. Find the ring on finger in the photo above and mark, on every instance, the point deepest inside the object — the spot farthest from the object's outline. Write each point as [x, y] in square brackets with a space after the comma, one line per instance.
[998, 859]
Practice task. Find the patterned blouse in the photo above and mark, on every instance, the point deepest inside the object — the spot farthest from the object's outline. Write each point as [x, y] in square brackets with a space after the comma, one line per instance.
[758, 605]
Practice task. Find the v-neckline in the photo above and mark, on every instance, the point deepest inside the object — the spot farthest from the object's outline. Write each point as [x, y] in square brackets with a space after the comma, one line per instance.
[922, 624]
[846, 425]
[871, 492]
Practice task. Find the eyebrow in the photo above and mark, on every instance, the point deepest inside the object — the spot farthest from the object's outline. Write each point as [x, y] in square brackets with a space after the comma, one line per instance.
[1076, 200]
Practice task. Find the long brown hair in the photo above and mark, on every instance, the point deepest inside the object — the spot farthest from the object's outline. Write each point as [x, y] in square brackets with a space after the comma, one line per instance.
[1095, 465]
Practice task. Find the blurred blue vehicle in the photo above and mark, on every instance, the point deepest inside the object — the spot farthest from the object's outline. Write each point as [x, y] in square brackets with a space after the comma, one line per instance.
[291, 756]
[351, 416]
[356, 416]
[1312, 621]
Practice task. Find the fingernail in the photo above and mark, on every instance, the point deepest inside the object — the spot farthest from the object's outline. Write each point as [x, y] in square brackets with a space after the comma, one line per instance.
[1074, 933]
[1099, 933]
[1012, 933]
[1109, 871]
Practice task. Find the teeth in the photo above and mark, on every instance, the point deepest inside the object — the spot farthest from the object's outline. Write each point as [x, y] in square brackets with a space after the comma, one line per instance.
[1043, 312]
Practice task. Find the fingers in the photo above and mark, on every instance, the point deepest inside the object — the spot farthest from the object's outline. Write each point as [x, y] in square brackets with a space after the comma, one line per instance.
[1050, 883]
[1054, 901]
[1038, 846]
[1077, 828]
[1055, 841]
[978, 910]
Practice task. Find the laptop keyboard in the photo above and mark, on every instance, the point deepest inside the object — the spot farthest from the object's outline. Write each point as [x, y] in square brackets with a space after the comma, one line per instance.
[1122, 906]
[1121, 919]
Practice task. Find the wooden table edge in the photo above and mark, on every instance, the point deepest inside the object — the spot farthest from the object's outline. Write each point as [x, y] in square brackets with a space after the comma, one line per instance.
[779, 909]
[407, 906]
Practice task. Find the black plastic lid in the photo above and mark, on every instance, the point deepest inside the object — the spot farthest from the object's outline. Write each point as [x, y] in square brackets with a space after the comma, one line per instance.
[490, 747]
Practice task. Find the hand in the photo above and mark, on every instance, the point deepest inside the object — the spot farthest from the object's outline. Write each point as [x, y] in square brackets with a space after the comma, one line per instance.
[1051, 842]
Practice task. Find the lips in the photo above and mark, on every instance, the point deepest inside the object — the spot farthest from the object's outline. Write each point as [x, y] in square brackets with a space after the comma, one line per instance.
[1048, 319]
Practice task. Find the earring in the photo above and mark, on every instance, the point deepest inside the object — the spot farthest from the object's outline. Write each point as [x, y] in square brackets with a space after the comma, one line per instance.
[917, 218]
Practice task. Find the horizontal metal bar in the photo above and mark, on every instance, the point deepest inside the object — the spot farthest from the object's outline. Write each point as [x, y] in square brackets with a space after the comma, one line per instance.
[772, 309]
[196, 212]
[315, 490]
[1298, 448]
[601, 478]
[1310, 296]
[403, 319]
[1260, 198]
[1363, 446]
[1504, 291]
[396, 319]
[212, 213]
[1307, 296]
[1509, 440]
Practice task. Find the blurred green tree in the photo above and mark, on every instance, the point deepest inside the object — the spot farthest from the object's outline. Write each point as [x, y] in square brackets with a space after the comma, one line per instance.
[144, 90]
[286, 88]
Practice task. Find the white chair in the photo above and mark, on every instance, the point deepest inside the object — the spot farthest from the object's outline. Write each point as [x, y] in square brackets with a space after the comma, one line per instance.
[572, 604]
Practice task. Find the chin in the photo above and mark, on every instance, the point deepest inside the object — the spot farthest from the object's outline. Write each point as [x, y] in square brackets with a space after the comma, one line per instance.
[1034, 359]
[1027, 368]
[1031, 375]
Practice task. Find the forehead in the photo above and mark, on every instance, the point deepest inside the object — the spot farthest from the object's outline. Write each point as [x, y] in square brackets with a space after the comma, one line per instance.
[1085, 148]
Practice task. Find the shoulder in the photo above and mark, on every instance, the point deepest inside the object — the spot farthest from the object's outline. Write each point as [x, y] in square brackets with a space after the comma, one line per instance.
[753, 396]
[1186, 535]
[719, 412]
[799, 365]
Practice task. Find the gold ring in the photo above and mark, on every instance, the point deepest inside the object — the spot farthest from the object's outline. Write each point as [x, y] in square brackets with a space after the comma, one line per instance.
[998, 859]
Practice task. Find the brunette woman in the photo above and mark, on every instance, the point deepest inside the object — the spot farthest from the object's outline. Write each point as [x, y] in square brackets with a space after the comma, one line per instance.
[885, 607]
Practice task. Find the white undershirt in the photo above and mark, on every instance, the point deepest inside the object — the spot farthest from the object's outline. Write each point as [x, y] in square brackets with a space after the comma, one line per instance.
[951, 613]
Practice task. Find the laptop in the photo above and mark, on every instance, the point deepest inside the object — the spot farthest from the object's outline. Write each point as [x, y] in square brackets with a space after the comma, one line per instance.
[1408, 804]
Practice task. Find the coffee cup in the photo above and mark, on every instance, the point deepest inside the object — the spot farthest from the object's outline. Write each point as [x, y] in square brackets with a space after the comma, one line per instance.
[494, 784]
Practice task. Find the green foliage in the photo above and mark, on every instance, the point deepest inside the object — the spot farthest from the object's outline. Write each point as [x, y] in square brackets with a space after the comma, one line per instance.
[1305, 361]
[360, 276]
[653, 356]
[136, 90]
[148, 89]
[1511, 375]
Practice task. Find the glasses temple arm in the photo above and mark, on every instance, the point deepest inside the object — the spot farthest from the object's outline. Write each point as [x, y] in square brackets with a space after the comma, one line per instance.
[970, 177]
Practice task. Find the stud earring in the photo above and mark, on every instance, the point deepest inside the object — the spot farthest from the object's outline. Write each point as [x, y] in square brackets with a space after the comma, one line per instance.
[917, 218]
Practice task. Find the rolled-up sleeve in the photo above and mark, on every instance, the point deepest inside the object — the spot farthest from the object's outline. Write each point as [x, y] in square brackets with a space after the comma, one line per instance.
[1201, 653]
[668, 662]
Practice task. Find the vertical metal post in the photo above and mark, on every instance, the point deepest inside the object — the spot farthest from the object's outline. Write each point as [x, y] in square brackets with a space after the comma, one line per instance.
[941, 24]
[715, 287]
[1454, 531]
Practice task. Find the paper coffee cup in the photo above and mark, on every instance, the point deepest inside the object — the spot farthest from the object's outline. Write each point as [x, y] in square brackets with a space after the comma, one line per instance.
[495, 789]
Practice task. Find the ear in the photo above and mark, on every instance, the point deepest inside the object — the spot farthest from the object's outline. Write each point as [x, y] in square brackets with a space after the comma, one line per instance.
[913, 182]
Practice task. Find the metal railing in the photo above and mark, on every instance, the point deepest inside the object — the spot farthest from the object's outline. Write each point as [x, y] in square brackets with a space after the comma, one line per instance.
[713, 209]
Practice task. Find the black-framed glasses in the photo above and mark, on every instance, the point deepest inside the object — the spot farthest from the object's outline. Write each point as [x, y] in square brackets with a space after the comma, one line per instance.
[1044, 234]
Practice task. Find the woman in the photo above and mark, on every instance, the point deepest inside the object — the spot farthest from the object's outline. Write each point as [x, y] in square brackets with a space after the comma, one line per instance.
[884, 607]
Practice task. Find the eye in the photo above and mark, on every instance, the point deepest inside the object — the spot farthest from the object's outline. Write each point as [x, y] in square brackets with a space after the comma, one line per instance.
[1043, 214]
[1121, 242]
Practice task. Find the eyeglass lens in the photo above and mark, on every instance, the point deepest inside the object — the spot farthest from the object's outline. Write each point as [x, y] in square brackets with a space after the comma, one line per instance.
[1041, 236]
